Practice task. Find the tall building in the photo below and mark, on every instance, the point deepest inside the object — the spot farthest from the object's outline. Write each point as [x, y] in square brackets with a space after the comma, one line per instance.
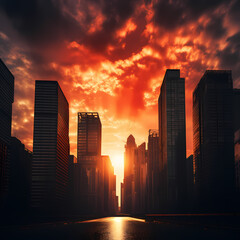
[89, 136]
[236, 106]
[236, 109]
[129, 171]
[90, 162]
[190, 183]
[50, 146]
[140, 177]
[6, 100]
[20, 167]
[213, 149]
[237, 160]
[71, 197]
[153, 172]
[109, 187]
[172, 141]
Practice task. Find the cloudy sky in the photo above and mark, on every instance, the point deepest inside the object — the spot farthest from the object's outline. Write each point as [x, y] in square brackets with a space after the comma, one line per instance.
[110, 56]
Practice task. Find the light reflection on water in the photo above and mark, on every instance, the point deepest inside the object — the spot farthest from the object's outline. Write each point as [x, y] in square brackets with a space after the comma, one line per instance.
[116, 226]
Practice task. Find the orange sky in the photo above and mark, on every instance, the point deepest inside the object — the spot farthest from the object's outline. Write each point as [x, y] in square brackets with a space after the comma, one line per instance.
[111, 56]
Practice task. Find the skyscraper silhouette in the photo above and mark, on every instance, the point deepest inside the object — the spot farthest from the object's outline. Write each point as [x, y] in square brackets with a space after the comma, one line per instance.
[172, 139]
[153, 172]
[236, 104]
[129, 172]
[90, 162]
[213, 151]
[140, 177]
[19, 177]
[110, 199]
[50, 146]
[6, 100]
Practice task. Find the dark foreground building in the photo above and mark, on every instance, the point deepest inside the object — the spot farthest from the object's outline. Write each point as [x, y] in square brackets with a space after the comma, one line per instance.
[50, 147]
[153, 172]
[6, 100]
[172, 141]
[72, 160]
[140, 177]
[19, 177]
[213, 146]
[236, 104]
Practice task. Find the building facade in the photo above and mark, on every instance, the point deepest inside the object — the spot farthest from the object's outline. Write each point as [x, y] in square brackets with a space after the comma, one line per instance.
[237, 161]
[110, 199]
[6, 101]
[90, 163]
[20, 167]
[153, 172]
[190, 190]
[140, 179]
[50, 146]
[172, 141]
[236, 110]
[129, 174]
[213, 149]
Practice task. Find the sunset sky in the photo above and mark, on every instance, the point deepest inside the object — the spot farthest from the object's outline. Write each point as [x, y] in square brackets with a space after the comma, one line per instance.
[110, 56]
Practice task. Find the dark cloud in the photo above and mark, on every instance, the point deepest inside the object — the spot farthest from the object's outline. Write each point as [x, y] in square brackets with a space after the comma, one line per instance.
[22, 129]
[40, 22]
[133, 42]
[234, 12]
[215, 28]
[173, 14]
[49, 22]
[230, 56]
[5, 46]
[116, 13]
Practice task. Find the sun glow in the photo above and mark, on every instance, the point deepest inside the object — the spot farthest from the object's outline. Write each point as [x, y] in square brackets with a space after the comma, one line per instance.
[117, 161]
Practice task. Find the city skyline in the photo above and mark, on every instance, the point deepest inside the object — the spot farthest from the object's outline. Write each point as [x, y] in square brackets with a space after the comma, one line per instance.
[119, 119]
[112, 58]
[120, 175]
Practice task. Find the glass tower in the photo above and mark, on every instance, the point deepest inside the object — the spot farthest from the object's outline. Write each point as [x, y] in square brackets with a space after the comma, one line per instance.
[213, 140]
[90, 167]
[50, 145]
[6, 100]
[172, 140]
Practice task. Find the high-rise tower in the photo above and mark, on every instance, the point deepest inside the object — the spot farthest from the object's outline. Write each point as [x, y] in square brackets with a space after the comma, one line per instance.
[213, 145]
[6, 100]
[129, 173]
[89, 136]
[172, 139]
[50, 146]
[153, 172]
[90, 174]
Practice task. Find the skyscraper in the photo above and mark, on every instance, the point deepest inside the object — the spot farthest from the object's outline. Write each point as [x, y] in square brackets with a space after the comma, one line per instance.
[6, 100]
[90, 161]
[19, 177]
[153, 172]
[236, 104]
[50, 146]
[140, 177]
[129, 171]
[109, 187]
[172, 140]
[71, 196]
[190, 183]
[213, 149]
[89, 136]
